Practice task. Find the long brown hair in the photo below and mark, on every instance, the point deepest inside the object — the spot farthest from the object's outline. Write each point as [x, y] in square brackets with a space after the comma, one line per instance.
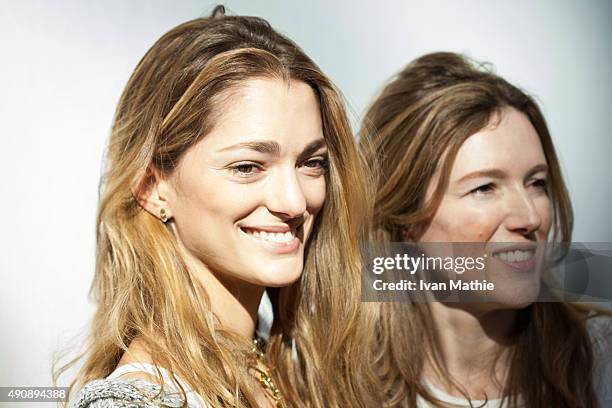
[413, 130]
[142, 286]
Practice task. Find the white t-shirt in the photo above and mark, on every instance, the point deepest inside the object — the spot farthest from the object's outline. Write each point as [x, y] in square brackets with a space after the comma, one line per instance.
[457, 401]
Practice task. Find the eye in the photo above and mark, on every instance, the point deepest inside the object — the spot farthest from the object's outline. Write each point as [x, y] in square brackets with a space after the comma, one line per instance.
[246, 169]
[540, 184]
[319, 165]
[483, 189]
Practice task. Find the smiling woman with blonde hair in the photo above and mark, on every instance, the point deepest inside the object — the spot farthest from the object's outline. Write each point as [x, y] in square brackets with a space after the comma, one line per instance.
[231, 168]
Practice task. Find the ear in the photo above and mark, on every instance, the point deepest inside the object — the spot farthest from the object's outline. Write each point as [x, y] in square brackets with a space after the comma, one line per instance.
[413, 232]
[154, 194]
[408, 234]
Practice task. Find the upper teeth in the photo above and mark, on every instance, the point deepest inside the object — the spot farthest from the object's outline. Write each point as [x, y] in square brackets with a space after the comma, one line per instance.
[515, 256]
[271, 236]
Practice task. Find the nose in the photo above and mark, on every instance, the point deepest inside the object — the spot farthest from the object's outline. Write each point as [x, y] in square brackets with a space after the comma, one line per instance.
[285, 196]
[522, 214]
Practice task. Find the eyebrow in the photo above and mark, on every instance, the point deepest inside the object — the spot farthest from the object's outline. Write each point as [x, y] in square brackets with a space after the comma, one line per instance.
[272, 147]
[500, 174]
[311, 148]
[263, 146]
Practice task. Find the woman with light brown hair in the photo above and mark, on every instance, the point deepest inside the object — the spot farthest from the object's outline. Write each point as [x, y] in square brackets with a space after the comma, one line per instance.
[466, 157]
[231, 168]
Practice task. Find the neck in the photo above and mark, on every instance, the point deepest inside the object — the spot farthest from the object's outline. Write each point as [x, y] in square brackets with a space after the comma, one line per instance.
[234, 301]
[469, 341]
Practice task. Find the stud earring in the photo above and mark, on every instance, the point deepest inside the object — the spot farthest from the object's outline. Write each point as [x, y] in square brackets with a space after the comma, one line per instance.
[162, 215]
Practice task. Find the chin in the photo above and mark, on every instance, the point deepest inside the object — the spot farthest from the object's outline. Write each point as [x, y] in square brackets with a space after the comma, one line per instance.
[516, 300]
[514, 304]
[279, 276]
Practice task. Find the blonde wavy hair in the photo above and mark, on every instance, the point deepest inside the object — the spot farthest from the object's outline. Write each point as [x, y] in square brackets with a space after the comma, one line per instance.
[142, 285]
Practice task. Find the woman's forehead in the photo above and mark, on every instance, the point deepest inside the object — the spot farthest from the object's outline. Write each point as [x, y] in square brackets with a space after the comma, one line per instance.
[272, 110]
[511, 145]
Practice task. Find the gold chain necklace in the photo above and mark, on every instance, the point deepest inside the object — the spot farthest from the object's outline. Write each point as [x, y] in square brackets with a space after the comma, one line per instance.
[263, 375]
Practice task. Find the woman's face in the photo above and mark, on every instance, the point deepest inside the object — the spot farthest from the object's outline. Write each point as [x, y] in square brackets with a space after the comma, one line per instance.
[244, 199]
[497, 195]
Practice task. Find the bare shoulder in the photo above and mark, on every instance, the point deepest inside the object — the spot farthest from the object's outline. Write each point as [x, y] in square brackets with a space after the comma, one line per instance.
[140, 375]
[137, 354]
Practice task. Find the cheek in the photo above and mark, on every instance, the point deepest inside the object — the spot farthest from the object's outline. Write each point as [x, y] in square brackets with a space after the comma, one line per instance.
[206, 210]
[544, 209]
[315, 193]
[460, 223]
[200, 200]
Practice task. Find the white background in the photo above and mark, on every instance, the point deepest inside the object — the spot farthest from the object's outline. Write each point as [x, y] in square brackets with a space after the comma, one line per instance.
[64, 64]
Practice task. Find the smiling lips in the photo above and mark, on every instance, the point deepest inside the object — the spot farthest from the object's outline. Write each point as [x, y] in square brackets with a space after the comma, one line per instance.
[521, 258]
[278, 239]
